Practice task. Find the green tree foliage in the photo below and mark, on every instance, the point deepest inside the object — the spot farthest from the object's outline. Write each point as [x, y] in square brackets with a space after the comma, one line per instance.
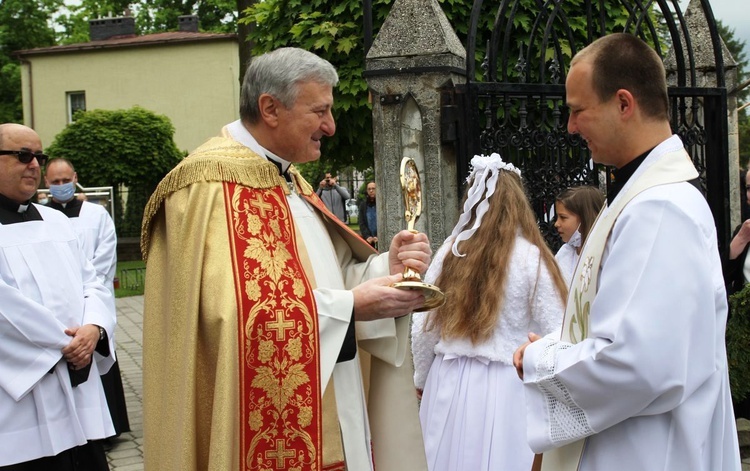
[335, 32]
[736, 47]
[73, 22]
[738, 344]
[314, 171]
[23, 25]
[132, 147]
[744, 140]
[151, 16]
[214, 15]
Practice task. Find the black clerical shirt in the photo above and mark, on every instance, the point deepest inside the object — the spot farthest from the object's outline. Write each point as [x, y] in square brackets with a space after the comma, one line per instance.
[12, 212]
[72, 208]
[622, 175]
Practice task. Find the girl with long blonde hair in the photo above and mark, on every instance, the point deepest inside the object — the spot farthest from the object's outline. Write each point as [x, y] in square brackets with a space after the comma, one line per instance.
[501, 282]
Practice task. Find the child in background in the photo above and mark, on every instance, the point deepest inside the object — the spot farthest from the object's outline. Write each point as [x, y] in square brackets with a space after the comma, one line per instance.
[501, 282]
[576, 210]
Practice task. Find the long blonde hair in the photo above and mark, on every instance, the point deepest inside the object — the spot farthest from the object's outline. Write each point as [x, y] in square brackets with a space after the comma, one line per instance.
[474, 285]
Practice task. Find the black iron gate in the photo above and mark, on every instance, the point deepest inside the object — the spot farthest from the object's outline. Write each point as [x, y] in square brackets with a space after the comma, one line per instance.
[516, 105]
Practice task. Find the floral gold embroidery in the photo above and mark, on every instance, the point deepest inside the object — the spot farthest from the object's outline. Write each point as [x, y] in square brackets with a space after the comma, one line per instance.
[279, 382]
[294, 348]
[255, 420]
[305, 416]
[586, 273]
[579, 322]
[266, 349]
[299, 288]
[272, 261]
[281, 391]
[253, 224]
[252, 289]
[275, 228]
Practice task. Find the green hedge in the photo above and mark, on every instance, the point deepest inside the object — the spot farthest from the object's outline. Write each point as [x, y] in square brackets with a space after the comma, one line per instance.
[738, 344]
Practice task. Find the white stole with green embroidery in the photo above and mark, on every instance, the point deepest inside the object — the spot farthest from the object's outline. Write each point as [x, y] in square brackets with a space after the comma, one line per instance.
[672, 167]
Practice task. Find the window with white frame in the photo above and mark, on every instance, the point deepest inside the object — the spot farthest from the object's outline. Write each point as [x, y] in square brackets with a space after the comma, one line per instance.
[76, 102]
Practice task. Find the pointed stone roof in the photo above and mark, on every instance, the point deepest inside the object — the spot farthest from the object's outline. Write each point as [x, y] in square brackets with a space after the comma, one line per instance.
[416, 28]
[700, 40]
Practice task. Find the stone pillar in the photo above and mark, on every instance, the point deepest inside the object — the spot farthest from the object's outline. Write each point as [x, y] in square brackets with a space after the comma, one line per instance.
[415, 55]
[705, 66]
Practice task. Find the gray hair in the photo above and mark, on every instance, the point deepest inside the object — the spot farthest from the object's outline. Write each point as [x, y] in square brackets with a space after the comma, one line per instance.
[279, 73]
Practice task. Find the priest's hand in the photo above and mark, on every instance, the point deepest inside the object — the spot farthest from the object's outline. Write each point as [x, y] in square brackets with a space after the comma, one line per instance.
[518, 355]
[376, 299]
[409, 250]
[80, 350]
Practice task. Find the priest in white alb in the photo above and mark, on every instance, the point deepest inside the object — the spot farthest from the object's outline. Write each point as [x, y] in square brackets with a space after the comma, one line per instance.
[638, 379]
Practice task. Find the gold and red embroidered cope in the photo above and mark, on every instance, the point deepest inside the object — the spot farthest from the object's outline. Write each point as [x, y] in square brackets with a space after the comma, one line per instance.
[280, 393]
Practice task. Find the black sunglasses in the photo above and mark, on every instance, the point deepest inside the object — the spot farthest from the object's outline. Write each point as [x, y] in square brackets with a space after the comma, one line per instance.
[25, 156]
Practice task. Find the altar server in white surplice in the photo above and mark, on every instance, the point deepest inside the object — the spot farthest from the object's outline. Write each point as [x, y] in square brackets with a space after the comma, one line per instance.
[96, 232]
[638, 379]
[55, 318]
[92, 222]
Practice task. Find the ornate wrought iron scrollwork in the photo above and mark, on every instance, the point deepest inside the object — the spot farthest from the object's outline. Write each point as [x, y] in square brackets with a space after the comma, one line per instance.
[523, 117]
[554, 70]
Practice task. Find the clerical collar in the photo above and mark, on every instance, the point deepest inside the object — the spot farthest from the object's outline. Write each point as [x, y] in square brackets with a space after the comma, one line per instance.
[71, 208]
[12, 212]
[13, 206]
[281, 163]
[620, 176]
[241, 134]
[71, 202]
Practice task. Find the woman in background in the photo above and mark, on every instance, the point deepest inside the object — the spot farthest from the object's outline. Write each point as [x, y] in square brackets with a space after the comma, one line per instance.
[368, 216]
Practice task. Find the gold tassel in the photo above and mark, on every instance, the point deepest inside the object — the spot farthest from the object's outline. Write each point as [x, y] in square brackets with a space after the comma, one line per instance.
[218, 160]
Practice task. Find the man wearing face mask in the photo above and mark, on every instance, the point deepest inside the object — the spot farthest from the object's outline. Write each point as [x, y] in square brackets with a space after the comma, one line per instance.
[94, 226]
[96, 232]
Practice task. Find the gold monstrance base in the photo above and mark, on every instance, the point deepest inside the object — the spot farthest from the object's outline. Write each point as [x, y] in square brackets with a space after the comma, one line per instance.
[433, 297]
[411, 190]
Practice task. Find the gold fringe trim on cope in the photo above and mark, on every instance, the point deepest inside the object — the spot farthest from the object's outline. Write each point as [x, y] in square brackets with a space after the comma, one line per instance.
[218, 160]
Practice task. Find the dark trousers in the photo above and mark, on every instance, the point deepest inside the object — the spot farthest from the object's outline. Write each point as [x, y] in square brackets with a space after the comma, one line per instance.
[88, 457]
[113, 391]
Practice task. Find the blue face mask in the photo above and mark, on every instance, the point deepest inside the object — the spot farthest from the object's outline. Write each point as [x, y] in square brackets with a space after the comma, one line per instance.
[63, 193]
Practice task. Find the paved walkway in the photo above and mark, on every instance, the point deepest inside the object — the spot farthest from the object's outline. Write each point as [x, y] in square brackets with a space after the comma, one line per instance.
[127, 450]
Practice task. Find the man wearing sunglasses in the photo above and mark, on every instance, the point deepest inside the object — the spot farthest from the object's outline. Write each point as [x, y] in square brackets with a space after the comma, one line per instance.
[56, 324]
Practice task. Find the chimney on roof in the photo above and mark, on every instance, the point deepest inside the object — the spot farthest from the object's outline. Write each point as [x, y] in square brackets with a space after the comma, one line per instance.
[108, 28]
[188, 23]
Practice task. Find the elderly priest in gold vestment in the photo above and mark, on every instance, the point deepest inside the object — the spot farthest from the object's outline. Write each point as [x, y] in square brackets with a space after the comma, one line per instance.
[252, 360]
